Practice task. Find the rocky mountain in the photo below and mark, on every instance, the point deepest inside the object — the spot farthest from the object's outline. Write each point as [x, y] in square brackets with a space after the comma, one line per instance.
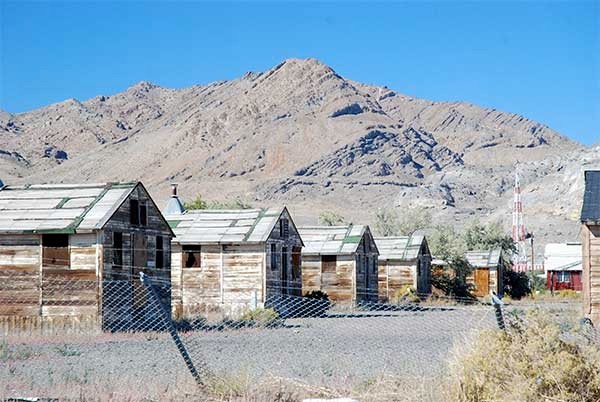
[303, 135]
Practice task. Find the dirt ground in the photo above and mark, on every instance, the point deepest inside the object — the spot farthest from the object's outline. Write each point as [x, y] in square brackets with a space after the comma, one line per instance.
[338, 351]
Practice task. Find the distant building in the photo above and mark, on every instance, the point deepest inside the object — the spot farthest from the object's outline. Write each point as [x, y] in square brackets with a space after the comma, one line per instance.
[403, 261]
[590, 239]
[340, 261]
[71, 255]
[487, 274]
[563, 266]
[227, 261]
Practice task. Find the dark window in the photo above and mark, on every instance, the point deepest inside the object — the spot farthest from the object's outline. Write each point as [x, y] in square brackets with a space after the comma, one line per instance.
[191, 257]
[117, 249]
[134, 212]
[374, 264]
[273, 257]
[328, 263]
[284, 228]
[160, 253]
[143, 215]
[56, 251]
[564, 276]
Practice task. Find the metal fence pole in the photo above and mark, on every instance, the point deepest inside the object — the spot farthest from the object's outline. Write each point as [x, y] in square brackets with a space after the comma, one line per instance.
[497, 303]
[171, 328]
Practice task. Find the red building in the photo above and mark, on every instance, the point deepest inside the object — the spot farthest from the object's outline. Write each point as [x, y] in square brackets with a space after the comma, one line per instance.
[562, 263]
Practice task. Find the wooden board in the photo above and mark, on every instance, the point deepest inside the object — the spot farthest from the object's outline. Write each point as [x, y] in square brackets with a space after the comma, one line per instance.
[481, 281]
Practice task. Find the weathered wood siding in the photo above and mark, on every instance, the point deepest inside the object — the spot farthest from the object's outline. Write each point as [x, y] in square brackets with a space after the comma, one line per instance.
[494, 281]
[393, 276]
[591, 272]
[47, 297]
[124, 299]
[423, 270]
[339, 284]
[367, 273]
[278, 281]
[228, 280]
[20, 279]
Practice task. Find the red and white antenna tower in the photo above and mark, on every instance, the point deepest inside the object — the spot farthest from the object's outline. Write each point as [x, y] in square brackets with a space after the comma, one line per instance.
[518, 228]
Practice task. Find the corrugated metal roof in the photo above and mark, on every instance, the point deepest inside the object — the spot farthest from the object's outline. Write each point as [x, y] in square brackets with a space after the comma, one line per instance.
[67, 208]
[331, 239]
[477, 258]
[224, 226]
[484, 258]
[590, 212]
[563, 257]
[403, 248]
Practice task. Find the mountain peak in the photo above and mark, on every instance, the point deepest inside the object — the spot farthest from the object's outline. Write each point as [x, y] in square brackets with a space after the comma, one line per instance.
[143, 86]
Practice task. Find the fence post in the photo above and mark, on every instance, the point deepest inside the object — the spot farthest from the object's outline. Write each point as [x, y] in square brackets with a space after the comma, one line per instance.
[497, 303]
[171, 328]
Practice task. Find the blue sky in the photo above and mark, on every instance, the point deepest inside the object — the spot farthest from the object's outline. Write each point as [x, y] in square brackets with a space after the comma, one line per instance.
[539, 59]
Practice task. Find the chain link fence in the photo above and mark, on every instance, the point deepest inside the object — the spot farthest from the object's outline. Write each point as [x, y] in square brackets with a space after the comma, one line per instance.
[116, 339]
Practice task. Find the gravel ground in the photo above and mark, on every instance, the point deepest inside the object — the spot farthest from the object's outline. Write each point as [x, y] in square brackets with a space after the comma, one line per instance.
[331, 351]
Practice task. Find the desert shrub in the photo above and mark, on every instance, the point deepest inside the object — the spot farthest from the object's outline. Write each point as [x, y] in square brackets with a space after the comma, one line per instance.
[259, 317]
[569, 294]
[406, 294]
[533, 361]
[330, 218]
[516, 284]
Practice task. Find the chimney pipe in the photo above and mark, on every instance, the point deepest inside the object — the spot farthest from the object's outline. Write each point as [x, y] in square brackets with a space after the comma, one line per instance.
[173, 189]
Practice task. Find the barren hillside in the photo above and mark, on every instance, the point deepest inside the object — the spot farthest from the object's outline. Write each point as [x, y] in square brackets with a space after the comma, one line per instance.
[303, 135]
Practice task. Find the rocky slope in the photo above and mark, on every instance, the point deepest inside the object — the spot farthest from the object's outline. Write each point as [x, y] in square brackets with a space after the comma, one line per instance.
[303, 135]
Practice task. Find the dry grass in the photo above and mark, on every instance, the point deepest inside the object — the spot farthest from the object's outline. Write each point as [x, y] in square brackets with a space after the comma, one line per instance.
[537, 360]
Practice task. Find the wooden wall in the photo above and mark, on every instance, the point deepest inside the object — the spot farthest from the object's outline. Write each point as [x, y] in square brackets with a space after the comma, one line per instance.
[20, 279]
[393, 276]
[229, 279]
[423, 270]
[124, 299]
[36, 296]
[277, 282]
[591, 272]
[367, 273]
[339, 284]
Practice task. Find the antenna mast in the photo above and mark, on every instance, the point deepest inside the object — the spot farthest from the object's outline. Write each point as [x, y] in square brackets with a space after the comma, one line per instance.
[518, 229]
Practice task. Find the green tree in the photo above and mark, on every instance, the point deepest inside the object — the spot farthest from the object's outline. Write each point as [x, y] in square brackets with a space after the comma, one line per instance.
[445, 243]
[389, 223]
[197, 203]
[330, 218]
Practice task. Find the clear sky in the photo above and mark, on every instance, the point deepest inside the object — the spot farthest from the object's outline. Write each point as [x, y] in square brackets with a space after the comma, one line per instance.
[539, 59]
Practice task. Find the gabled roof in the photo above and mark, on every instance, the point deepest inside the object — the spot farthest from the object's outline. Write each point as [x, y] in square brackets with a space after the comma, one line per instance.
[60, 208]
[331, 239]
[590, 212]
[563, 257]
[220, 226]
[478, 258]
[484, 258]
[403, 248]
